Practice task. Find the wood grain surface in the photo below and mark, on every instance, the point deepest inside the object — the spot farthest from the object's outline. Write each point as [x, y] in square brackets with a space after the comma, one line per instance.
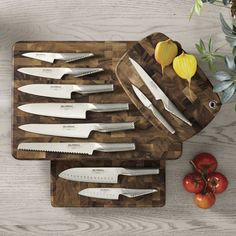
[25, 185]
[150, 142]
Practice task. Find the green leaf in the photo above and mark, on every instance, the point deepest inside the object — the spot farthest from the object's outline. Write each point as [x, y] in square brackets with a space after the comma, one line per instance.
[228, 93]
[197, 7]
[222, 76]
[210, 45]
[222, 86]
[230, 63]
[224, 23]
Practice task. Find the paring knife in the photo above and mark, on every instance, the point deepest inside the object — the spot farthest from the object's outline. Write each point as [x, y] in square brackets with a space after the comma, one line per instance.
[114, 193]
[58, 72]
[51, 56]
[158, 93]
[71, 110]
[77, 148]
[76, 130]
[150, 106]
[103, 175]
[64, 90]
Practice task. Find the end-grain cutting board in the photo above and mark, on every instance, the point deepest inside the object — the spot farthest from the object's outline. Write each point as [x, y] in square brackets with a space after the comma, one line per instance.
[199, 108]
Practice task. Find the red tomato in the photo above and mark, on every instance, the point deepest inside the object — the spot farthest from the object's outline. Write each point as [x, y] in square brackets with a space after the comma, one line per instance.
[206, 200]
[205, 163]
[217, 182]
[193, 182]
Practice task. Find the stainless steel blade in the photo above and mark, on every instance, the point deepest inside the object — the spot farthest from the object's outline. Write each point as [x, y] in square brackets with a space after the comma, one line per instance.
[103, 175]
[71, 110]
[64, 90]
[146, 102]
[76, 130]
[113, 193]
[50, 56]
[157, 92]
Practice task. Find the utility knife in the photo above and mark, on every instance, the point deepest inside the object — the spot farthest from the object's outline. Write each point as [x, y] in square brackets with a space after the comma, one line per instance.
[114, 193]
[51, 56]
[64, 90]
[76, 130]
[103, 174]
[158, 93]
[58, 72]
[77, 148]
[71, 110]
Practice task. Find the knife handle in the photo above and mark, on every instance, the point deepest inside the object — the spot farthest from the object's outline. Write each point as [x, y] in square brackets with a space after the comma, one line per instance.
[161, 118]
[110, 127]
[87, 89]
[78, 72]
[109, 107]
[115, 147]
[137, 172]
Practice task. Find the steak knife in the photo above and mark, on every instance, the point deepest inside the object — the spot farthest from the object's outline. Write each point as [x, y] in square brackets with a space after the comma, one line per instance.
[150, 106]
[158, 93]
[114, 193]
[71, 110]
[76, 130]
[103, 175]
[64, 90]
[77, 148]
[58, 72]
[51, 56]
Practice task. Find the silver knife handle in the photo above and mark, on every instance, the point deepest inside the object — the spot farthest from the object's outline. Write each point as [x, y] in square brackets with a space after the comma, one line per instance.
[115, 147]
[87, 89]
[78, 72]
[137, 172]
[109, 107]
[131, 193]
[69, 57]
[110, 127]
[161, 118]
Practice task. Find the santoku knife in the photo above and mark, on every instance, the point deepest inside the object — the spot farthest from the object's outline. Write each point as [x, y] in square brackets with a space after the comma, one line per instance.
[51, 56]
[77, 148]
[158, 93]
[71, 110]
[76, 130]
[58, 72]
[103, 175]
[114, 193]
[150, 106]
[64, 90]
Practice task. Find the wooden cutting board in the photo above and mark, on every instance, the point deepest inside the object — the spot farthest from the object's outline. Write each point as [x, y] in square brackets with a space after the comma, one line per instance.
[151, 144]
[64, 193]
[196, 106]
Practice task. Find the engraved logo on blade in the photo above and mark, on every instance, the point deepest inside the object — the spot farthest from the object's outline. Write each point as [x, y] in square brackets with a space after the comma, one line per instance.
[47, 70]
[74, 146]
[66, 107]
[56, 87]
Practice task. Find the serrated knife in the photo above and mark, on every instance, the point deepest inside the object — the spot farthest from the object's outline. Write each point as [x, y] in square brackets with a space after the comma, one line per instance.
[51, 56]
[76, 130]
[71, 110]
[64, 90]
[158, 93]
[103, 174]
[114, 193]
[77, 148]
[58, 72]
[150, 106]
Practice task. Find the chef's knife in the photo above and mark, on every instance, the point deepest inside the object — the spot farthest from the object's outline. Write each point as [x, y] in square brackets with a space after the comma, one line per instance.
[103, 175]
[150, 106]
[51, 56]
[71, 110]
[58, 72]
[76, 130]
[77, 148]
[64, 90]
[158, 93]
[114, 193]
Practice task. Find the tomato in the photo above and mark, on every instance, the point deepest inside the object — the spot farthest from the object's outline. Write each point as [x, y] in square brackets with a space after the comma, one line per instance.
[205, 200]
[205, 163]
[193, 182]
[217, 182]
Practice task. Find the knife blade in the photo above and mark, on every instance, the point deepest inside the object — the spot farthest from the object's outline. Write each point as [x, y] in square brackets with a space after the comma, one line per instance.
[77, 148]
[114, 193]
[76, 130]
[71, 110]
[51, 56]
[58, 72]
[150, 106]
[158, 93]
[64, 90]
[103, 175]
